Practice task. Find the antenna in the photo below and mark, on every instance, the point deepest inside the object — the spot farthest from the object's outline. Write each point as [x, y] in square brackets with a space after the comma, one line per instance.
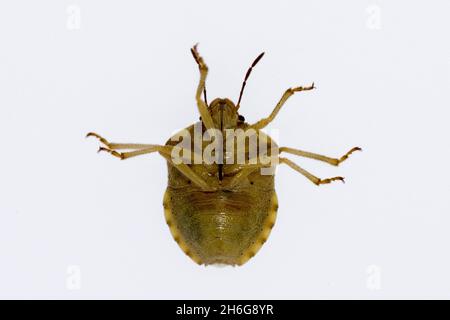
[246, 77]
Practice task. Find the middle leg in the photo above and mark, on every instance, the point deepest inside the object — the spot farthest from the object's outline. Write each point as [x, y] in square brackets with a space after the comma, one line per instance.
[165, 151]
[117, 146]
[306, 154]
[289, 92]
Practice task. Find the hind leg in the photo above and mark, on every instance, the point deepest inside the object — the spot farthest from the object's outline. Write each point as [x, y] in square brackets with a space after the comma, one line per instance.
[317, 181]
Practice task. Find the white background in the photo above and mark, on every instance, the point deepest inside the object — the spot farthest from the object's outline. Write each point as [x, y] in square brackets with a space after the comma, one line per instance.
[77, 224]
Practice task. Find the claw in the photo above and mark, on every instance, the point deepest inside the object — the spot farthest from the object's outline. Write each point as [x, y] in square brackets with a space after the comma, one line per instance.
[297, 89]
[336, 178]
[102, 140]
[329, 180]
[195, 53]
[104, 149]
[112, 152]
[354, 149]
[345, 156]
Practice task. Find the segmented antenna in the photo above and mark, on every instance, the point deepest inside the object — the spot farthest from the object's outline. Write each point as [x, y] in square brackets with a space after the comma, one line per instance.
[246, 77]
[194, 54]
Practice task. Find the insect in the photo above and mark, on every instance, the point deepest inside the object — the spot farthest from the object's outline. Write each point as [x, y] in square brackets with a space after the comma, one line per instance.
[222, 211]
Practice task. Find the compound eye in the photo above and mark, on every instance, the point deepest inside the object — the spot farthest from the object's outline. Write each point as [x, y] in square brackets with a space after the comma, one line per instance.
[200, 118]
[241, 118]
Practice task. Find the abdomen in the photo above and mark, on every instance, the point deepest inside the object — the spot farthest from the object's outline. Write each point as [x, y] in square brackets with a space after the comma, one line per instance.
[224, 227]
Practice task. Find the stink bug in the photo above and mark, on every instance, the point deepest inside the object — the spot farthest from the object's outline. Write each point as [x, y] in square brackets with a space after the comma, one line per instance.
[220, 204]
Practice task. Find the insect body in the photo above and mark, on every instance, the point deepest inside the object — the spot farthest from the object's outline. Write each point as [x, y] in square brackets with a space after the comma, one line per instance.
[220, 204]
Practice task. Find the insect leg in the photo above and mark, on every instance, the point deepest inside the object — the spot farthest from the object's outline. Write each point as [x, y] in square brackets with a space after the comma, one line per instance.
[306, 154]
[196, 58]
[202, 107]
[165, 151]
[248, 169]
[111, 147]
[116, 146]
[289, 92]
[130, 154]
[308, 175]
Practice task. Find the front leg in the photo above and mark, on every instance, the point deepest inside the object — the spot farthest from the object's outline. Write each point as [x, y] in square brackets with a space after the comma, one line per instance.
[202, 107]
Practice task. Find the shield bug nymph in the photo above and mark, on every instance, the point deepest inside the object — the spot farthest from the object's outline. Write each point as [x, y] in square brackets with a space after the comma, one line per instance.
[220, 203]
